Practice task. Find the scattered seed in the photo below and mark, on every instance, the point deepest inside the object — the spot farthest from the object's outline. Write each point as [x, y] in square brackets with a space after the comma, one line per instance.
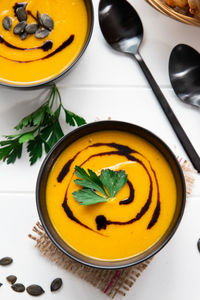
[7, 23]
[31, 28]
[6, 261]
[42, 33]
[1, 284]
[23, 35]
[18, 287]
[34, 290]
[198, 245]
[11, 279]
[19, 28]
[56, 284]
[39, 19]
[21, 14]
[47, 22]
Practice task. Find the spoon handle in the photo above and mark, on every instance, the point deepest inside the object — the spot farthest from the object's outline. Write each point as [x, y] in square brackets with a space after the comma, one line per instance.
[191, 152]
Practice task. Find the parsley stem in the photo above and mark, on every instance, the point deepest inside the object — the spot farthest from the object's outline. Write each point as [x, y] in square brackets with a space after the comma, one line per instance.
[59, 96]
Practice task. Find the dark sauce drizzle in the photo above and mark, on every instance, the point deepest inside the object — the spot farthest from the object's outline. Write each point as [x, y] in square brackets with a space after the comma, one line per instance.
[47, 45]
[30, 14]
[60, 48]
[101, 220]
[18, 5]
[131, 195]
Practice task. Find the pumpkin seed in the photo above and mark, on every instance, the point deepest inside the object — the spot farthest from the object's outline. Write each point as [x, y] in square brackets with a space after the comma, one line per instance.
[47, 22]
[19, 28]
[39, 19]
[7, 23]
[6, 261]
[23, 35]
[34, 290]
[11, 279]
[56, 284]
[21, 14]
[42, 33]
[31, 28]
[18, 287]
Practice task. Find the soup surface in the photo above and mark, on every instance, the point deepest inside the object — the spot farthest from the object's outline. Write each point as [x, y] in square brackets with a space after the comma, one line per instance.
[26, 61]
[131, 222]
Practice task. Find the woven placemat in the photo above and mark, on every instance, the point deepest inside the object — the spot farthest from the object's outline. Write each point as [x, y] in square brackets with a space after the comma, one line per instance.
[110, 282]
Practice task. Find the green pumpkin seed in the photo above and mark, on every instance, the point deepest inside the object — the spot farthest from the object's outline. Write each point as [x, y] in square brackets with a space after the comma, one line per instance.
[34, 290]
[6, 261]
[11, 279]
[31, 28]
[56, 284]
[42, 33]
[19, 28]
[7, 23]
[21, 14]
[18, 287]
[47, 22]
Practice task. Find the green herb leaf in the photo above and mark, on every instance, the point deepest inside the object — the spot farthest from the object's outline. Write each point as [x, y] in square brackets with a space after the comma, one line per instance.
[110, 181]
[91, 181]
[56, 134]
[45, 130]
[72, 119]
[34, 149]
[26, 137]
[88, 197]
[34, 119]
[113, 181]
[11, 151]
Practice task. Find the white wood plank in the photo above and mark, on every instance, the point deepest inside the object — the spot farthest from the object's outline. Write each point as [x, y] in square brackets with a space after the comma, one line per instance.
[161, 34]
[174, 270]
[137, 106]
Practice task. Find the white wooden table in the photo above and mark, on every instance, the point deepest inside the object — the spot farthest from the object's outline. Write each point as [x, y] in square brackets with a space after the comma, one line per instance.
[105, 84]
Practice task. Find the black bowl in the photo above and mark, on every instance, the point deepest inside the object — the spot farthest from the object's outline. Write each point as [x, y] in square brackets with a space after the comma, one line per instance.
[90, 14]
[69, 139]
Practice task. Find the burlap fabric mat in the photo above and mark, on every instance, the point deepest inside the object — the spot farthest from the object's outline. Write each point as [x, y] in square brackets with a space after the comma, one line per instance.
[110, 282]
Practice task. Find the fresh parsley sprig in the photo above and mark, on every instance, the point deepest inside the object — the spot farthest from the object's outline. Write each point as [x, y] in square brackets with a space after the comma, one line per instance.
[40, 130]
[109, 183]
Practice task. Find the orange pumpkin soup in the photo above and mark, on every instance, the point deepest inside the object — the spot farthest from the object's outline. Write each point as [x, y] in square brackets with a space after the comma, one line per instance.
[26, 59]
[126, 225]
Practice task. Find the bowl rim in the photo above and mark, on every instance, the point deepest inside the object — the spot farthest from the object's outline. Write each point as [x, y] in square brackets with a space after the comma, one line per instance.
[170, 12]
[51, 80]
[122, 263]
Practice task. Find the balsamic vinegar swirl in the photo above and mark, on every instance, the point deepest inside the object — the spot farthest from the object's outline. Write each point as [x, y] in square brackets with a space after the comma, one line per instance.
[45, 47]
[101, 221]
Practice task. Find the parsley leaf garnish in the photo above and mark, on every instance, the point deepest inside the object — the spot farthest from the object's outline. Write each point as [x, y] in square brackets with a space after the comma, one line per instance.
[108, 184]
[88, 197]
[40, 130]
[91, 181]
[113, 181]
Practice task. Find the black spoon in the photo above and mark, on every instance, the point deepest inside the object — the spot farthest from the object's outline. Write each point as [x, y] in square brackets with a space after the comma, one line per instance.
[122, 28]
[184, 74]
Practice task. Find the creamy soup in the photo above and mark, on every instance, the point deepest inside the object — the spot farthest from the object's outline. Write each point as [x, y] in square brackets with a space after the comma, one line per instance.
[34, 60]
[131, 222]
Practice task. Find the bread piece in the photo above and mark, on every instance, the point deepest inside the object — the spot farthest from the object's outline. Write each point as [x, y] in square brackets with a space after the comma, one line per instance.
[194, 7]
[179, 3]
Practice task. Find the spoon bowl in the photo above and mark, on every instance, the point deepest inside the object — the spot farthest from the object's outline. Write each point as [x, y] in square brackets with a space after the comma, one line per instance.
[120, 25]
[184, 74]
[122, 28]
